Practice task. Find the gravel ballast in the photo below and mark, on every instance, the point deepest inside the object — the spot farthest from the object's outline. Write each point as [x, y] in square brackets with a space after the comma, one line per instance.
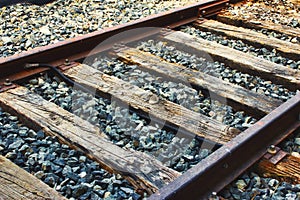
[284, 12]
[125, 129]
[217, 69]
[68, 171]
[23, 27]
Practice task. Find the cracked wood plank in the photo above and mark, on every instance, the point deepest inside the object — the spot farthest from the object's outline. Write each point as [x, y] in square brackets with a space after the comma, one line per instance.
[241, 61]
[254, 38]
[141, 170]
[16, 183]
[259, 24]
[236, 96]
[159, 109]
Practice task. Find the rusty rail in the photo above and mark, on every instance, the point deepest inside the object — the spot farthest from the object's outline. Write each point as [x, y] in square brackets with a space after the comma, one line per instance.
[225, 164]
[79, 47]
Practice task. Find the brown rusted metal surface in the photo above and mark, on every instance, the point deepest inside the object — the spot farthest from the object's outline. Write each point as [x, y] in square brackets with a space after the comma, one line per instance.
[79, 47]
[229, 161]
[6, 87]
[278, 157]
[68, 66]
[274, 156]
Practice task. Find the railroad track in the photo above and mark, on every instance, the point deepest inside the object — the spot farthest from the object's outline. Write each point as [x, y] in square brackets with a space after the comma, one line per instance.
[80, 63]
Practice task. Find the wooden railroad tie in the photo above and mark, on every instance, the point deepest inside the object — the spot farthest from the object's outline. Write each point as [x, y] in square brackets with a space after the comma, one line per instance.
[288, 49]
[280, 165]
[241, 61]
[258, 24]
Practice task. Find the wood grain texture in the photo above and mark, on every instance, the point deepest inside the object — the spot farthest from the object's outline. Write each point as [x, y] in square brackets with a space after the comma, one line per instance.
[243, 62]
[259, 24]
[147, 102]
[142, 170]
[287, 170]
[16, 183]
[236, 96]
[254, 38]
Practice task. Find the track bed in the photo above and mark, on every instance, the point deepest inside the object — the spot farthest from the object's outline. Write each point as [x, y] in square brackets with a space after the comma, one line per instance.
[153, 112]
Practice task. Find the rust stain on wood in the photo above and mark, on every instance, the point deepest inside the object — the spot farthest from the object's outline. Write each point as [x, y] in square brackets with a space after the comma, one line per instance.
[288, 169]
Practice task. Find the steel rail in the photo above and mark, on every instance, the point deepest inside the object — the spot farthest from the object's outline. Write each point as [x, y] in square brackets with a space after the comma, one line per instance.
[79, 47]
[228, 162]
